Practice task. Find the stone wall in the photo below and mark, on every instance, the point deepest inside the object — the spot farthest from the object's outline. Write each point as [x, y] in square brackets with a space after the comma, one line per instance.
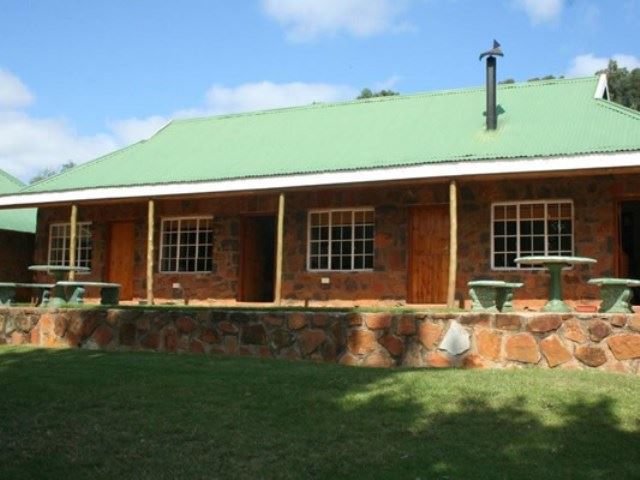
[467, 340]
[594, 200]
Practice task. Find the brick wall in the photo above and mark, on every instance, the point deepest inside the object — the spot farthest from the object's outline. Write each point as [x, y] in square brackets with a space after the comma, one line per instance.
[593, 199]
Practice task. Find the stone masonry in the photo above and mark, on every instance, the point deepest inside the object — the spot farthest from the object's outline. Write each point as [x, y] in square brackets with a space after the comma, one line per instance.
[437, 340]
[594, 199]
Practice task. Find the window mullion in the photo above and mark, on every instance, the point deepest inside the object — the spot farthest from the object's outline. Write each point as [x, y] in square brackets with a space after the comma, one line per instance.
[67, 245]
[353, 240]
[330, 237]
[195, 256]
[546, 230]
[178, 244]
[518, 232]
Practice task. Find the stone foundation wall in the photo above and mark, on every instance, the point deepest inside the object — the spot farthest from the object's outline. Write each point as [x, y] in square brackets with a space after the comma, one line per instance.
[467, 340]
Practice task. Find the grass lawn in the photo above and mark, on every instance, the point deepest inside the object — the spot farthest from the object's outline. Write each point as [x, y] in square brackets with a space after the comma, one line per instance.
[81, 414]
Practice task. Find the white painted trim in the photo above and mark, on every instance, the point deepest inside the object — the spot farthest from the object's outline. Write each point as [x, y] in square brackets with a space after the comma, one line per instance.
[518, 203]
[602, 88]
[458, 169]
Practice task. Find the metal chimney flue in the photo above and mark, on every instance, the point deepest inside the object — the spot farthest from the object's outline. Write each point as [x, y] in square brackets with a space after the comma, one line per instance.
[491, 111]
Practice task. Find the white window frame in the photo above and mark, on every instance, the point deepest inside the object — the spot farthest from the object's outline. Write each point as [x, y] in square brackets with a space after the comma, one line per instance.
[330, 212]
[65, 254]
[163, 220]
[517, 204]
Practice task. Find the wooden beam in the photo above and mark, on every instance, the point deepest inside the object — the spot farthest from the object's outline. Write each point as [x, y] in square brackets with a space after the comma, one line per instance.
[150, 248]
[73, 239]
[277, 296]
[453, 243]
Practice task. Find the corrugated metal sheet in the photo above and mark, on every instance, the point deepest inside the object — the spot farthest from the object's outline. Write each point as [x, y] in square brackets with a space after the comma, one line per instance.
[19, 220]
[538, 119]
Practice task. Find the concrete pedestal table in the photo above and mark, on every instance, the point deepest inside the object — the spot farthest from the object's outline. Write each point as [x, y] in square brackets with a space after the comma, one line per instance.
[58, 271]
[555, 264]
[615, 294]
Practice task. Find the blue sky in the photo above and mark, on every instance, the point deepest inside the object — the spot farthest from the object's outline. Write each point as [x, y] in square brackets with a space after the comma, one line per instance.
[81, 78]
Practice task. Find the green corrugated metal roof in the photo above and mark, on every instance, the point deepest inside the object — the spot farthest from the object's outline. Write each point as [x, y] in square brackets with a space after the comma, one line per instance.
[20, 220]
[539, 119]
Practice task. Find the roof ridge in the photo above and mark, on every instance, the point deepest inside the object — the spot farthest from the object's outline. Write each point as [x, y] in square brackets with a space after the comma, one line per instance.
[390, 98]
[622, 109]
[12, 179]
[82, 166]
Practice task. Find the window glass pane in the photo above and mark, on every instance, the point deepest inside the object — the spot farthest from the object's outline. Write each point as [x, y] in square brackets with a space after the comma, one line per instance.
[538, 227]
[368, 261]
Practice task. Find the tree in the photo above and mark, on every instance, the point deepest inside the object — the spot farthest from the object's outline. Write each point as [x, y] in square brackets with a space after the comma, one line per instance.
[367, 93]
[624, 85]
[50, 172]
[507, 81]
[546, 77]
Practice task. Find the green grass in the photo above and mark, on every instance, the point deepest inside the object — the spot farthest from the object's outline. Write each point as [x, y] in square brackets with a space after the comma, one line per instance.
[81, 414]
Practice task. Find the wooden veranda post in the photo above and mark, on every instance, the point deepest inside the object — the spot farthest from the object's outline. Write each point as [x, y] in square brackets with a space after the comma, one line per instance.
[453, 243]
[150, 248]
[277, 296]
[73, 239]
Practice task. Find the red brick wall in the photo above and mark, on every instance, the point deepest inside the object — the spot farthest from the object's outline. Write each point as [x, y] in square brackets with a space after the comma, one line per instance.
[593, 199]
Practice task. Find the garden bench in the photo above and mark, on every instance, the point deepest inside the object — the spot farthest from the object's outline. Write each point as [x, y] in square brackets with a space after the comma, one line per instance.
[8, 292]
[492, 295]
[615, 293]
[74, 291]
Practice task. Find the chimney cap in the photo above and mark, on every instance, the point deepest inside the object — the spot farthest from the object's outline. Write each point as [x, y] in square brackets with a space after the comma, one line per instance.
[494, 52]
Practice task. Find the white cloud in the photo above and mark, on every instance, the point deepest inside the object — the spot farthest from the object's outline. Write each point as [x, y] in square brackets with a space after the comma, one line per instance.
[541, 11]
[13, 93]
[29, 144]
[264, 95]
[306, 20]
[132, 130]
[589, 64]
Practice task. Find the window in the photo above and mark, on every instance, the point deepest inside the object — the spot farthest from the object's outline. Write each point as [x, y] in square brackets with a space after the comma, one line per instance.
[530, 228]
[186, 245]
[59, 240]
[341, 239]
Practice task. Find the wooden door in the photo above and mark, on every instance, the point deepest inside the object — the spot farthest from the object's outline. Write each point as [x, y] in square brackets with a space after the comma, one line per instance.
[257, 259]
[121, 257]
[428, 254]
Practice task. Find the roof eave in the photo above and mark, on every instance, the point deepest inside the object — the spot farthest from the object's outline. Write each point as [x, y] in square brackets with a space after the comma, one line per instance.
[457, 169]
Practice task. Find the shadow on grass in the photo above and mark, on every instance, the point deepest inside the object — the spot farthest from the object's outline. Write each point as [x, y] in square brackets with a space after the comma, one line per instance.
[79, 414]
